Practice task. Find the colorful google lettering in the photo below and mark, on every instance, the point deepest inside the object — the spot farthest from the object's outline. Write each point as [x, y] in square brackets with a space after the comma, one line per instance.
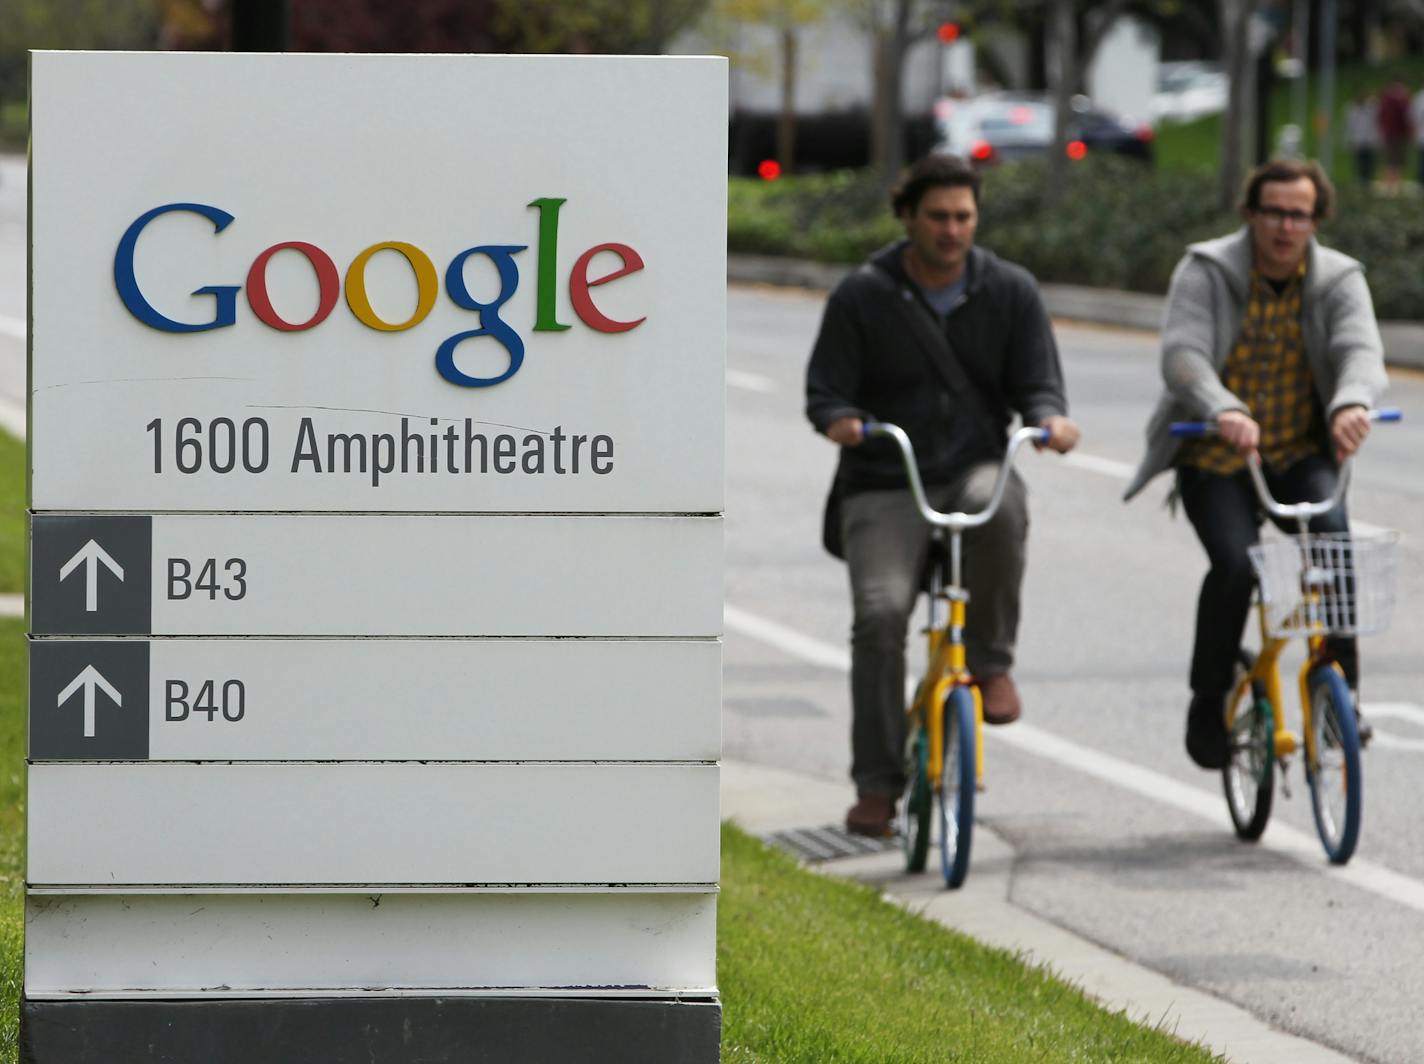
[330, 284]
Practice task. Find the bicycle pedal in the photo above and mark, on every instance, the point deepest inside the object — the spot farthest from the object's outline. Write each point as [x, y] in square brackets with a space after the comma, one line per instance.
[1285, 779]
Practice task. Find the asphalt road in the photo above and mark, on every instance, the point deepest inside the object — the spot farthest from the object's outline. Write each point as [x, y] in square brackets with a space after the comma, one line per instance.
[1116, 835]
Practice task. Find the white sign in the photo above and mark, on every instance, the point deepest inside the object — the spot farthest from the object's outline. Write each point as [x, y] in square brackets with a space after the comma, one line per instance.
[381, 699]
[126, 825]
[319, 943]
[378, 283]
[406, 575]
[376, 443]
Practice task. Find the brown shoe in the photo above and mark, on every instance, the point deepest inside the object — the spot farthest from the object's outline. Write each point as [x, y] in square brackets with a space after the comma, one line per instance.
[1001, 699]
[872, 814]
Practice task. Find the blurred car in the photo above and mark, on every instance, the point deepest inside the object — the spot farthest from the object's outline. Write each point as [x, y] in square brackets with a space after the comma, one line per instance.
[1188, 90]
[1002, 127]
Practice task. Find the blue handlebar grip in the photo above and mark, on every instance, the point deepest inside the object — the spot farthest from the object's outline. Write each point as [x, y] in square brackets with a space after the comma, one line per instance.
[1043, 434]
[1387, 413]
[1192, 429]
[870, 427]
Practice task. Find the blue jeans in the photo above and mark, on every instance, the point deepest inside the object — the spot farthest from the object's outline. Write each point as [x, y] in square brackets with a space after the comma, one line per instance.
[1227, 518]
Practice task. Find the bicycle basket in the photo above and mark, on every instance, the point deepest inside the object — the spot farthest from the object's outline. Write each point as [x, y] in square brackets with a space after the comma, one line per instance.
[1351, 575]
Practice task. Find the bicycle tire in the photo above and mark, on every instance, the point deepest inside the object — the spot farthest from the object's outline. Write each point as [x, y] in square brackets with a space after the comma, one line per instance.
[1336, 786]
[1248, 779]
[957, 786]
[917, 803]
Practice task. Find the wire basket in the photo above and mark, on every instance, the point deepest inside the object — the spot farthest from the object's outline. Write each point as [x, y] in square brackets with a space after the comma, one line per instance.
[1351, 573]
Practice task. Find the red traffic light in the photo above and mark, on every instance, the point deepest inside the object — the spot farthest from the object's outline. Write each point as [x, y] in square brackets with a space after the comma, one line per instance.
[769, 169]
[1076, 150]
[948, 32]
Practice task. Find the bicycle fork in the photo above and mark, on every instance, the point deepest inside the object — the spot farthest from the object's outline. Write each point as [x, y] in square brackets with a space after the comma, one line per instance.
[948, 662]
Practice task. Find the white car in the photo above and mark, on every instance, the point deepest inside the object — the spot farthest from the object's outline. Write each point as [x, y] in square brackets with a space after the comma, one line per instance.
[1188, 90]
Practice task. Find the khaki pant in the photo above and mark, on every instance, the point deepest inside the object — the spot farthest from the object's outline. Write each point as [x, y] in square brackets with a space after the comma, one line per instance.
[886, 543]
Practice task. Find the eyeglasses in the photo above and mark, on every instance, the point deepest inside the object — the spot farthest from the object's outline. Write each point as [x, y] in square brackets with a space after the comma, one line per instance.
[1277, 217]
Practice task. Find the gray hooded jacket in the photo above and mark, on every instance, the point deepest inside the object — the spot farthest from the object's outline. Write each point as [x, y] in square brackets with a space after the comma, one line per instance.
[1205, 307]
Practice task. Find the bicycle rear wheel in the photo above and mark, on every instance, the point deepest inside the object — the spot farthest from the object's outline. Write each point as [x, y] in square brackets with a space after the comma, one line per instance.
[917, 803]
[1336, 787]
[1248, 778]
[957, 784]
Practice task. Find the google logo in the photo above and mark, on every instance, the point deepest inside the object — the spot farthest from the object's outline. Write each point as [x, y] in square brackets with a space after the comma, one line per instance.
[330, 284]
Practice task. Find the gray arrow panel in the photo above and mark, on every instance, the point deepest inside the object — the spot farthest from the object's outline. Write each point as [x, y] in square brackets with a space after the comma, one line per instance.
[57, 726]
[62, 605]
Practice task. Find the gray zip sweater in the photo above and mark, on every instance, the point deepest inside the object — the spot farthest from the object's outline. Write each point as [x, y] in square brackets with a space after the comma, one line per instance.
[1206, 304]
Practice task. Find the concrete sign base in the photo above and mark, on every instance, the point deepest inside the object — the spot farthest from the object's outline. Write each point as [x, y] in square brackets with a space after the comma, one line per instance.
[393, 1031]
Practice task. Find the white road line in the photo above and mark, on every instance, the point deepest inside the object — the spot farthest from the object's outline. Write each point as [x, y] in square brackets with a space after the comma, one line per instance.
[786, 639]
[751, 382]
[1110, 467]
[13, 327]
[1279, 838]
[1385, 741]
[1093, 464]
[1395, 710]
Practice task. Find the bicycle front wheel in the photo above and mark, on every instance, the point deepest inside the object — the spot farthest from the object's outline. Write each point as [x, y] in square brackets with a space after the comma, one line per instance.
[917, 803]
[956, 786]
[1336, 787]
[1248, 777]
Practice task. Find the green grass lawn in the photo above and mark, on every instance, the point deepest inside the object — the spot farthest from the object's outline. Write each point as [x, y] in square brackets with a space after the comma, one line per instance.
[821, 970]
[12, 830]
[12, 515]
[1197, 145]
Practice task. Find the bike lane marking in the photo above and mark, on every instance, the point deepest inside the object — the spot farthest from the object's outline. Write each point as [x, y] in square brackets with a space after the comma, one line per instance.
[1282, 838]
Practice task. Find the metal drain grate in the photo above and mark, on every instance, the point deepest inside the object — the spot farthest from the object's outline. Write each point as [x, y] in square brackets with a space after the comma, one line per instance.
[829, 843]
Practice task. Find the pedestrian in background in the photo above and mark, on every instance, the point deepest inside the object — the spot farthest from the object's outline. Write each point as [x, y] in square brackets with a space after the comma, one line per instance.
[1362, 134]
[1416, 115]
[1273, 336]
[1395, 130]
[948, 341]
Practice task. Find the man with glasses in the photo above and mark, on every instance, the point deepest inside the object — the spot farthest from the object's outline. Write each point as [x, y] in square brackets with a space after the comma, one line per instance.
[1274, 337]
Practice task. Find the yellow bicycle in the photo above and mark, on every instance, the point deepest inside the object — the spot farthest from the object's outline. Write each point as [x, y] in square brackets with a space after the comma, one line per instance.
[944, 750]
[1309, 585]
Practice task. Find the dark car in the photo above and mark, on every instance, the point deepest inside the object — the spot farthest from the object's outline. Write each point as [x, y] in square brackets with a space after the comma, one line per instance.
[1002, 127]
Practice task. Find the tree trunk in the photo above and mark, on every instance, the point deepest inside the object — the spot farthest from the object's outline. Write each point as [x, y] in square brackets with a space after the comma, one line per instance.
[1065, 44]
[879, 118]
[786, 123]
[1235, 16]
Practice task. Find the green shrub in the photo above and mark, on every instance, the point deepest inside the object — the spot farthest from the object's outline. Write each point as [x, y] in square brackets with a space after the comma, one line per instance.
[1117, 225]
[14, 124]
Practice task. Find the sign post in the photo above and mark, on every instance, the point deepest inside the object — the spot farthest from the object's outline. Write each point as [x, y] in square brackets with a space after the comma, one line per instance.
[376, 435]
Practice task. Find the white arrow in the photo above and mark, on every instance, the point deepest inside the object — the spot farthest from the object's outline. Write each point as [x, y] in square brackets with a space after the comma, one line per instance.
[91, 556]
[89, 679]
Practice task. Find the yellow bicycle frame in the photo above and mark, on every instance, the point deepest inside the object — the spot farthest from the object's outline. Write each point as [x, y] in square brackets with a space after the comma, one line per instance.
[946, 670]
[1266, 672]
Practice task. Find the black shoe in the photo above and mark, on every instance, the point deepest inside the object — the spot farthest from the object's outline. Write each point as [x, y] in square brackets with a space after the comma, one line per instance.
[1207, 741]
[1363, 728]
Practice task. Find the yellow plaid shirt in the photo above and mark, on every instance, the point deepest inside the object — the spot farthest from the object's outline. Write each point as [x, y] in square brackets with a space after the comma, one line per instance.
[1267, 371]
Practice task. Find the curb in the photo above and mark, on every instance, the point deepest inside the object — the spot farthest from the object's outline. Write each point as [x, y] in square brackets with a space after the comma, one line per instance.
[1403, 340]
[760, 800]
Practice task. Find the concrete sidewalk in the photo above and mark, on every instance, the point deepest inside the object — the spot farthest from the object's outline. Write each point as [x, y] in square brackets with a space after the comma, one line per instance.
[1403, 341]
[764, 800]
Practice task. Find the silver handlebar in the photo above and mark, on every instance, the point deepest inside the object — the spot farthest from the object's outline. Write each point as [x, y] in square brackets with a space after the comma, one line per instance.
[957, 521]
[1297, 511]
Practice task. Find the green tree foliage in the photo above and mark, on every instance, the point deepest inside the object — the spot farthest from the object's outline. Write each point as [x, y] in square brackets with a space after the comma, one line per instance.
[614, 27]
[100, 24]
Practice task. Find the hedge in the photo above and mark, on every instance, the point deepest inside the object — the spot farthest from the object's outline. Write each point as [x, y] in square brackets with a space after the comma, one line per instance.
[1119, 225]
